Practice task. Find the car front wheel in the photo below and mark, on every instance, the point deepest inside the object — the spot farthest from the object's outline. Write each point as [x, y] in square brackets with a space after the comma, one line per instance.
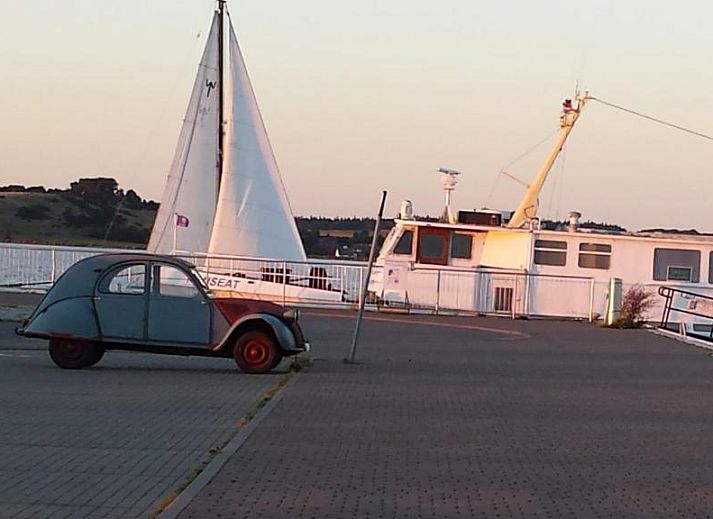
[69, 354]
[256, 352]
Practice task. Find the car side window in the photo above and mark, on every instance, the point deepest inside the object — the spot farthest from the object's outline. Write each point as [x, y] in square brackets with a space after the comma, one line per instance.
[171, 281]
[128, 280]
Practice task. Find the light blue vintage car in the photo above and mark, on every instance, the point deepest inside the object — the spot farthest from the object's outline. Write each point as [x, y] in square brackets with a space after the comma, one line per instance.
[157, 304]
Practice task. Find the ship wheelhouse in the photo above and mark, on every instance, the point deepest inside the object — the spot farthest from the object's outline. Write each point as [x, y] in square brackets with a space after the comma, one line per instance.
[425, 244]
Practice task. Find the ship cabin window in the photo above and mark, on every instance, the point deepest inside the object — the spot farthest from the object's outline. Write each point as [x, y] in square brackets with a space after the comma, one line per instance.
[710, 267]
[432, 246]
[405, 243]
[461, 246]
[551, 252]
[677, 265]
[594, 256]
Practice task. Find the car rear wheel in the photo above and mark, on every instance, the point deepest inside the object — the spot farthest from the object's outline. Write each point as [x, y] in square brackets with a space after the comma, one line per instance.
[98, 354]
[69, 354]
[256, 352]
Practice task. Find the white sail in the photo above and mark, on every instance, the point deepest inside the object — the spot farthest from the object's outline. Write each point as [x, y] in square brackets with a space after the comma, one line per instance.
[192, 186]
[253, 216]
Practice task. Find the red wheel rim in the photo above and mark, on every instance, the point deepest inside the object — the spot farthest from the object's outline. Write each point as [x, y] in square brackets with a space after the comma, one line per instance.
[256, 352]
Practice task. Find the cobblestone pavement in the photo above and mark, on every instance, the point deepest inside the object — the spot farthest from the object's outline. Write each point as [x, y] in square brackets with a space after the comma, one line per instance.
[113, 440]
[10, 341]
[567, 421]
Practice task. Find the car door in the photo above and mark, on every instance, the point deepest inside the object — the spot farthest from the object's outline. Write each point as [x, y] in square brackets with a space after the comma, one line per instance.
[120, 302]
[178, 312]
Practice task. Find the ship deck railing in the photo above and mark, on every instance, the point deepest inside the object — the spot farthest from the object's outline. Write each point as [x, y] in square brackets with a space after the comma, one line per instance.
[689, 303]
[505, 292]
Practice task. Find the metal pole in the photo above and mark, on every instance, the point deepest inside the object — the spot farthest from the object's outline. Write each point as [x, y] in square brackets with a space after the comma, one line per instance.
[343, 281]
[438, 290]
[284, 281]
[54, 266]
[221, 94]
[365, 283]
[361, 282]
[175, 231]
[591, 300]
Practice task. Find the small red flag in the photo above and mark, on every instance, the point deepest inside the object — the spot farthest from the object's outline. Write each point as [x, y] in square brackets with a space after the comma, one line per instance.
[181, 221]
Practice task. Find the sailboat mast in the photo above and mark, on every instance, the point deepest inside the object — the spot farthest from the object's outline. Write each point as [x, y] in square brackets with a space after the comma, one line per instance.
[221, 77]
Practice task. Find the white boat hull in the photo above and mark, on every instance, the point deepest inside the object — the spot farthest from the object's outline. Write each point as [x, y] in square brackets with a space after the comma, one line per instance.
[224, 285]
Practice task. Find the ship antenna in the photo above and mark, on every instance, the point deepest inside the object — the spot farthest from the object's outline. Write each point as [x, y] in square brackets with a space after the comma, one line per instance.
[449, 179]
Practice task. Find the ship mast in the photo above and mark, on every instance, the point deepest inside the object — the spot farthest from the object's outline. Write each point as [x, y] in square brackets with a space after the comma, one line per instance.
[221, 77]
[527, 209]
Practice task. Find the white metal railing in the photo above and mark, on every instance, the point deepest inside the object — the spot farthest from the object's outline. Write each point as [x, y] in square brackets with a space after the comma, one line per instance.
[36, 267]
[680, 297]
[489, 291]
[337, 283]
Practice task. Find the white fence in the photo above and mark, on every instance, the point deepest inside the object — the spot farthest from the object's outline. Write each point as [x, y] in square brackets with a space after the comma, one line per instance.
[37, 267]
[337, 283]
[489, 291]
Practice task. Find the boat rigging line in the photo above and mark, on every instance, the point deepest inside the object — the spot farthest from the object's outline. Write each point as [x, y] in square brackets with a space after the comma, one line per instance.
[654, 119]
[516, 159]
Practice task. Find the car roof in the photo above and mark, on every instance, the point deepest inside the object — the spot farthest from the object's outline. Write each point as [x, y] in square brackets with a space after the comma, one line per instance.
[80, 279]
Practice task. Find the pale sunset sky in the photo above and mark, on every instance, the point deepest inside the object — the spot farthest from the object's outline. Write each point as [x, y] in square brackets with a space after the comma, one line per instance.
[363, 96]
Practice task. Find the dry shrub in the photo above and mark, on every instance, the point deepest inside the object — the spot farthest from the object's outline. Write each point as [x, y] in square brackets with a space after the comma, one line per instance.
[636, 303]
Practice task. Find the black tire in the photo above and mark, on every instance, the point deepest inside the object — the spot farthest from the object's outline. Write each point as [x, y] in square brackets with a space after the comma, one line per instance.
[98, 354]
[70, 354]
[256, 352]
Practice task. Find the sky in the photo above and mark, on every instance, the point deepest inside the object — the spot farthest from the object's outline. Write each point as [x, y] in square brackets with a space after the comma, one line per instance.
[364, 96]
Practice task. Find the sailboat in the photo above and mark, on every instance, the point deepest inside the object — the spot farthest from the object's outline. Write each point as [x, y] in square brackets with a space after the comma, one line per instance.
[224, 194]
[224, 203]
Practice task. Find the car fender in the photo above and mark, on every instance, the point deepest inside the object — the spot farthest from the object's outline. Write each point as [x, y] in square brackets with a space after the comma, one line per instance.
[285, 338]
[66, 318]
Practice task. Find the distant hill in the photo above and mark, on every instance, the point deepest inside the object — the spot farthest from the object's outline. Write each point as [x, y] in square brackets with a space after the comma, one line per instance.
[95, 212]
[92, 212]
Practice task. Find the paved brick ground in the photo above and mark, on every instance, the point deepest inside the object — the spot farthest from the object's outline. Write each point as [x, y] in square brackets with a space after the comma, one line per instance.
[112, 440]
[10, 341]
[14, 307]
[570, 421]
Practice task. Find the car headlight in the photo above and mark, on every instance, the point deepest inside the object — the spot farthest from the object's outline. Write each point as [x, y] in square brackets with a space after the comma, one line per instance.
[291, 314]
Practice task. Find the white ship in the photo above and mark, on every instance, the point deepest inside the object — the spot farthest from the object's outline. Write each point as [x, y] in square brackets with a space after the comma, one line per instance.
[481, 261]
